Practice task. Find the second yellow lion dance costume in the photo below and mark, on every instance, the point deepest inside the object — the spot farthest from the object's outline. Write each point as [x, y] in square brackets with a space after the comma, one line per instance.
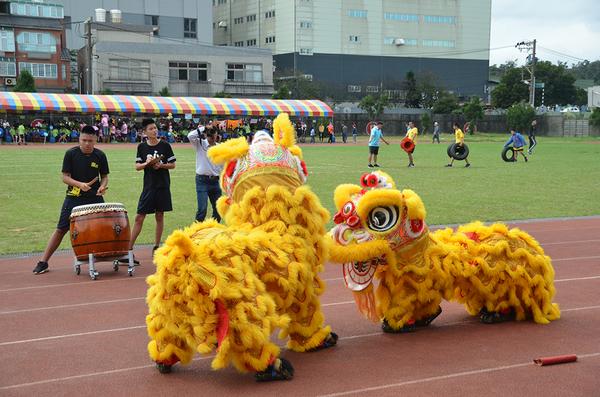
[229, 287]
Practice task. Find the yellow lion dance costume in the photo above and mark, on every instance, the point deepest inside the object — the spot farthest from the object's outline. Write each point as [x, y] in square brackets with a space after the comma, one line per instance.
[230, 287]
[381, 233]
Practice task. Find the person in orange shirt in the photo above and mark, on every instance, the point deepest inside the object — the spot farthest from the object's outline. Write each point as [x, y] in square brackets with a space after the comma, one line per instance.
[330, 129]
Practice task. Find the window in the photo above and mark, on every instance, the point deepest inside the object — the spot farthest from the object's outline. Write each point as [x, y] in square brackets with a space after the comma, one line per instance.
[37, 42]
[306, 51]
[270, 39]
[354, 38]
[124, 69]
[189, 28]
[222, 1]
[358, 14]
[372, 88]
[354, 88]
[188, 71]
[64, 71]
[306, 0]
[306, 25]
[238, 21]
[251, 18]
[401, 17]
[437, 19]
[270, 14]
[438, 43]
[152, 20]
[248, 73]
[7, 40]
[239, 43]
[67, 22]
[8, 69]
[251, 43]
[52, 11]
[40, 70]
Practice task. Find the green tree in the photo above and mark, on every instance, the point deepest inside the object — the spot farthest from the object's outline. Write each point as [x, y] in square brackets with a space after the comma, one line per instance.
[501, 70]
[586, 70]
[511, 90]
[473, 111]
[107, 91]
[299, 83]
[425, 122]
[520, 116]
[332, 92]
[282, 93]
[559, 88]
[429, 85]
[411, 95]
[164, 91]
[374, 107]
[221, 94]
[445, 104]
[594, 120]
[25, 82]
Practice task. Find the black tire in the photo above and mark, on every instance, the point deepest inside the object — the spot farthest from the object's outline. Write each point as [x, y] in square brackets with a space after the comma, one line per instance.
[506, 156]
[459, 152]
[449, 150]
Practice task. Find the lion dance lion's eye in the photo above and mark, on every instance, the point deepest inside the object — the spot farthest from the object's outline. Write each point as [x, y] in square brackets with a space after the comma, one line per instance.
[382, 219]
[348, 208]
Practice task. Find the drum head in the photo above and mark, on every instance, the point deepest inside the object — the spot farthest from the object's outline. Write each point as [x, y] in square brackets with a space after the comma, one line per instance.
[95, 208]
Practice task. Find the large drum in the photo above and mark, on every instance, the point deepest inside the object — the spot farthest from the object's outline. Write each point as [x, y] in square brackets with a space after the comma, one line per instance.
[100, 229]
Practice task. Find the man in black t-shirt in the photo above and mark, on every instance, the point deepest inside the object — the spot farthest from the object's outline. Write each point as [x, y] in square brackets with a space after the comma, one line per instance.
[82, 166]
[532, 141]
[156, 195]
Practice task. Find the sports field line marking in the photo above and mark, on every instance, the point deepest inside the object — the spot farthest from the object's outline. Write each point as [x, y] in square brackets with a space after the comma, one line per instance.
[570, 242]
[131, 279]
[574, 259]
[72, 305]
[442, 377]
[577, 279]
[16, 342]
[41, 382]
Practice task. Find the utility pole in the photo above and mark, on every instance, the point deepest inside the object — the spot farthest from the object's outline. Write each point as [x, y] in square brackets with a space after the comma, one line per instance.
[529, 46]
[88, 71]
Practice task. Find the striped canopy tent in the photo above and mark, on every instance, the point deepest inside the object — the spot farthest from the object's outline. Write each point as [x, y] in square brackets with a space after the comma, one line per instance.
[30, 102]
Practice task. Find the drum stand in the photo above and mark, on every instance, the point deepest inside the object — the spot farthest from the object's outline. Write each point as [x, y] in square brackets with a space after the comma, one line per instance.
[115, 260]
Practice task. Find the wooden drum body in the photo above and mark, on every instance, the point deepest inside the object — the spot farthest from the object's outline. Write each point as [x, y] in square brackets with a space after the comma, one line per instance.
[100, 229]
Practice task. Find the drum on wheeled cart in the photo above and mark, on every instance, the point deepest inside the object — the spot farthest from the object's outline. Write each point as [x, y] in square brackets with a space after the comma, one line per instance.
[100, 233]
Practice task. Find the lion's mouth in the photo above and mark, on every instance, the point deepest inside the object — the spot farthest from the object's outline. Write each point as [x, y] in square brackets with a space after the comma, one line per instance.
[359, 275]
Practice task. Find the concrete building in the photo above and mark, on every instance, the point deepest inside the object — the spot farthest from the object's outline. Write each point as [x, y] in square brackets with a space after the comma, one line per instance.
[32, 37]
[361, 43]
[128, 61]
[177, 21]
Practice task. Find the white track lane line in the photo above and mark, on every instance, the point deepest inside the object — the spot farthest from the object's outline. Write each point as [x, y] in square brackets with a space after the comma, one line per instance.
[131, 279]
[443, 377]
[88, 375]
[72, 305]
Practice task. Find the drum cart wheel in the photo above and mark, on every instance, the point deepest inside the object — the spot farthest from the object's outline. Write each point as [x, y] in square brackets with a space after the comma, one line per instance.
[77, 269]
[116, 266]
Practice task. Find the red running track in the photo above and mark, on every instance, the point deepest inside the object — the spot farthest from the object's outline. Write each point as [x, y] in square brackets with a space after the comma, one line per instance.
[66, 335]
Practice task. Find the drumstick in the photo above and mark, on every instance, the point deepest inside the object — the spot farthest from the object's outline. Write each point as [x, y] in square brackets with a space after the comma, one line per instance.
[92, 182]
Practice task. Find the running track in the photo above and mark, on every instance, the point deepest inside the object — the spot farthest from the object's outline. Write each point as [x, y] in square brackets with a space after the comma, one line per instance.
[66, 335]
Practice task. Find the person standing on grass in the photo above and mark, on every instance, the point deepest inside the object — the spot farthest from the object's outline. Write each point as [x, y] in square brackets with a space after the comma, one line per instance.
[412, 135]
[82, 165]
[518, 143]
[532, 141]
[354, 132]
[21, 130]
[376, 135]
[312, 134]
[344, 133]
[436, 133]
[460, 139]
[207, 172]
[156, 194]
[330, 130]
[321, 130]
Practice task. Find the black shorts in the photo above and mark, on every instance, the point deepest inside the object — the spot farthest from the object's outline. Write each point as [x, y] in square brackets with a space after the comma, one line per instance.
[374, 149]
[411, 151]
[154, 200]
[64, 223]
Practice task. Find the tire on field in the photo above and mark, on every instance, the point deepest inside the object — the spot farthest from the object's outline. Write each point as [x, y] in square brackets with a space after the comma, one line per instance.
[459, 152]
[506, 156]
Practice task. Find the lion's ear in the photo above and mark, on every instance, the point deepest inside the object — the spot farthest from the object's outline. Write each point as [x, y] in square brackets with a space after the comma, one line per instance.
[414, 205]
[233, 149]
[343, 193]
[283, 131]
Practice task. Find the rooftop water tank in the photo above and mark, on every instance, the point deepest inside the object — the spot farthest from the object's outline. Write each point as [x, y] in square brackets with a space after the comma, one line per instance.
[116, 16]
[100, 14]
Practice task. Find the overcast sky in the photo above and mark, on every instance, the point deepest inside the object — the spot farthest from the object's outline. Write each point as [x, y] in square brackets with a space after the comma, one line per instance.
[565, 30]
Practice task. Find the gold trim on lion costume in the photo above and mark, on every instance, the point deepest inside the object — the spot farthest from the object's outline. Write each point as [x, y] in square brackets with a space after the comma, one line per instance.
[381, 233]
[232, 286]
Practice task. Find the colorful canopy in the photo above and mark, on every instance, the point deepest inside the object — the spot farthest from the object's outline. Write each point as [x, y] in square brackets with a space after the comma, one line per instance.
[25, 102]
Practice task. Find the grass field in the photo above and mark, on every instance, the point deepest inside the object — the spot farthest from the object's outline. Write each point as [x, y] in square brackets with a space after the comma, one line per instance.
[561, 179]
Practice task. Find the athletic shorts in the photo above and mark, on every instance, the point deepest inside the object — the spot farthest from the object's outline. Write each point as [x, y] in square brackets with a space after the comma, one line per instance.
[518, 149]
[411, 151]
[374, 149]
[155, 200]
[64, 222]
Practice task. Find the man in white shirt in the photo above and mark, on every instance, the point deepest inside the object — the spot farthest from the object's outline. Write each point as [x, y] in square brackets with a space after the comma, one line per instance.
[207, 173]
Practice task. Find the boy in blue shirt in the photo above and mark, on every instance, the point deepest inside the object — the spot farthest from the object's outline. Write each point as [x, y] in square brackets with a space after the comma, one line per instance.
[376, 135]
[518, 143]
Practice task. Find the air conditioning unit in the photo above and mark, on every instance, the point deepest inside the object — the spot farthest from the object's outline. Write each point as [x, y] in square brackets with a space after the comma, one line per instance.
[222, 24]
[10, 81]
[399, 41]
